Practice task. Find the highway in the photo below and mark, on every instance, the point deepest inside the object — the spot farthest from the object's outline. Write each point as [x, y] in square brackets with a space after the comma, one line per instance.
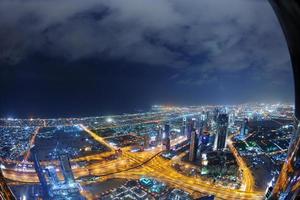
[248, 179]
[133, 165]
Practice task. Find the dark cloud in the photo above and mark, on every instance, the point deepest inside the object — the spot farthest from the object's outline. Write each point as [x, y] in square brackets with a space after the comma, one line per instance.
[233, 33]
[207, 42]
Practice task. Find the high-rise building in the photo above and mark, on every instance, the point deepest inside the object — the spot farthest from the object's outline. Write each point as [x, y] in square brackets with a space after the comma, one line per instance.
[159, 135]
[52, 187]
[167, 131]
[193, 146]
[53, 178]
[231, 118]
[203, 116]
[215, 114]
[221, 136]
[244, 129]
[184, 127]
[40, 173]
[191, 127]
[167, 137]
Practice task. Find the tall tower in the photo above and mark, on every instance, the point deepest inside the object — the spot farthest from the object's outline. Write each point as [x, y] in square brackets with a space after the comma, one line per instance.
[191, 127]
[167, 137]
[184, 127]
[167, 130]
[244, 129]
[159, 134]
[221, 136]
[231, 118]
[193, 146]
[41, 175]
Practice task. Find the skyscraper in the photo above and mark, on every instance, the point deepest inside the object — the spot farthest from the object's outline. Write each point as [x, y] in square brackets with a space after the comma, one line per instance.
[40, 173]
[159, 135]
[52, 187]
[193, 146]
[167, 137]
[191, 127]
[184, 127]
[167, 130]
[231, 118]
[221, 136]
[244, 129]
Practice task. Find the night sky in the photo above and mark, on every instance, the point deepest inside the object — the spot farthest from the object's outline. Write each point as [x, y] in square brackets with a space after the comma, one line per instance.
[63, 58]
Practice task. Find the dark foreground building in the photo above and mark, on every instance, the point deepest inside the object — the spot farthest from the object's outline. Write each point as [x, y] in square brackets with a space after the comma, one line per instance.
[5, 192]
[288, 184]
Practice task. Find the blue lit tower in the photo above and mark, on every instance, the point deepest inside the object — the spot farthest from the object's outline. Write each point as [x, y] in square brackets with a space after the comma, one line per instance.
[221, 136]
[41, 175]
[244, 129]
[201, 142]
[53, 178]
[231, 118]
[184, 127]
[66, 168]
[52, 187]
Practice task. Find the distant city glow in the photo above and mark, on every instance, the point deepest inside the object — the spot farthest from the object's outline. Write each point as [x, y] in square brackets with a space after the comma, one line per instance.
[109, 120]
[228, 141]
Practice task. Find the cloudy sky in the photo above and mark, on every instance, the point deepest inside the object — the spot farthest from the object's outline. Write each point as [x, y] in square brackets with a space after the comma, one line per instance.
[75, 58]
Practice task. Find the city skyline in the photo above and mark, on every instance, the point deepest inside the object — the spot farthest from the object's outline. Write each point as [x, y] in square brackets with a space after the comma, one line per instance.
[149, 100]
[165, 152]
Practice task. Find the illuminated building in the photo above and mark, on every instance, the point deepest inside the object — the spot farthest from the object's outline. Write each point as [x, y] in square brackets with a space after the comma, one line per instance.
[40, 173]
[221, 136]
[167, 137]
[244, 129]
[159, 135]
[54, 188]
[193, 146]
[191, 127]
[53, 178]
[178, 194]
[184, 127]
[231, 119]
[167, 130]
